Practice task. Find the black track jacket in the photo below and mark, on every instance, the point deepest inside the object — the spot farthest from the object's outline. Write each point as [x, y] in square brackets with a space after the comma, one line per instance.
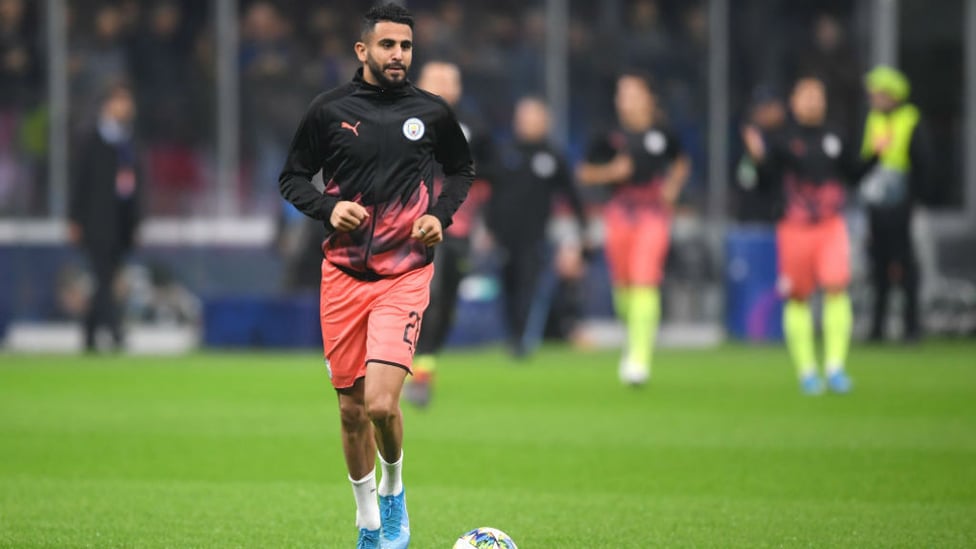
[377, 147]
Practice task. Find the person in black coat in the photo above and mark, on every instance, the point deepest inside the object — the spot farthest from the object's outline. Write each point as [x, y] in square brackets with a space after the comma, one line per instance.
[104, 209]
[531, 173]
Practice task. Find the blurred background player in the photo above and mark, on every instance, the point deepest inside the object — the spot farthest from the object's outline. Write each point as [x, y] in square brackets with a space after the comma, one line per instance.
[105, 206]
[810, 164]
[647, 166]
[753, 202]
[452, 259]
[531, 174]
[891, 190]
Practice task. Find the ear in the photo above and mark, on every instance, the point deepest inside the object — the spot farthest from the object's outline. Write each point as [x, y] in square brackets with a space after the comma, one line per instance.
[361, 51]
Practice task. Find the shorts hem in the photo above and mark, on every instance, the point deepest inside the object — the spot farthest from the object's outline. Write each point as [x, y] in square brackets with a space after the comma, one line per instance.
[345, 387]
[389, 363]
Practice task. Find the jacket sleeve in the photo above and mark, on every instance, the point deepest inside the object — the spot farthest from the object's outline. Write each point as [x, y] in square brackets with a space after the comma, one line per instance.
[920, 156]
[452, 153]
[304, 161]
[79, 184]
[564, 182]
[857, 162]
[769, 170]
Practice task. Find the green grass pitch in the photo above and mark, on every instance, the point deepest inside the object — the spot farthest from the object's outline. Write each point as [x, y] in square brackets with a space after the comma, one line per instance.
[721, 450]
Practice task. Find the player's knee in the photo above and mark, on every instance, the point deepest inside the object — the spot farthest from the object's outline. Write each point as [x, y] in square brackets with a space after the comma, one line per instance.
[353, 416]
[382, 408]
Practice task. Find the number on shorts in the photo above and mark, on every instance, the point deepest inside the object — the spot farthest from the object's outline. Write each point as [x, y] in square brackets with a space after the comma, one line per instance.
[414, 326]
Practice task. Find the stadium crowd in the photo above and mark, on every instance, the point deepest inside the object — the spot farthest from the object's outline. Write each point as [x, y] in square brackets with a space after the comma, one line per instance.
[289, 50]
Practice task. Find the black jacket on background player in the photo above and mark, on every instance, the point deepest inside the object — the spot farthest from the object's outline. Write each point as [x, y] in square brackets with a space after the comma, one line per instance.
[451, 263]
[805, 163]
[529, 176]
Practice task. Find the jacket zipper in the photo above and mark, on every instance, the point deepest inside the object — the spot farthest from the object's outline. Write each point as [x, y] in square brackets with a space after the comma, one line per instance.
[369, 242]
[372, 225]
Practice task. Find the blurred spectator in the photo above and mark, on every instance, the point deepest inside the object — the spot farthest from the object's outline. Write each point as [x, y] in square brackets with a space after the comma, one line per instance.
[19, 83]
[165, 83]
[528, 57]
[274, 96]
[105, 205]
[647, 42]
[328, 48]
[830, 56]
[18, 58]
[101, 58]
[161, 75]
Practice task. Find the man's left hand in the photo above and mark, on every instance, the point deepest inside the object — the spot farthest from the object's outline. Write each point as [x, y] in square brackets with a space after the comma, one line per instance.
[427, 229]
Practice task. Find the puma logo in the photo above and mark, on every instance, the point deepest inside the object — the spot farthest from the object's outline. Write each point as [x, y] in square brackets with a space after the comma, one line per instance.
[350, 127]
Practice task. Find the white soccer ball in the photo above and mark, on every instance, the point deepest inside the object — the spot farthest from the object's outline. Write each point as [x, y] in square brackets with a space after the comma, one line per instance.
[485, 538]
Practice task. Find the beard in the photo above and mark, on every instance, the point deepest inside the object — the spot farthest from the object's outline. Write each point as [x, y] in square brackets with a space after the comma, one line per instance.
[378, 71]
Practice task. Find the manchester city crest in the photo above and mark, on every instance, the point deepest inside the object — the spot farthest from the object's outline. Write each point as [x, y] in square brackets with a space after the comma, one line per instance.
[413, 129]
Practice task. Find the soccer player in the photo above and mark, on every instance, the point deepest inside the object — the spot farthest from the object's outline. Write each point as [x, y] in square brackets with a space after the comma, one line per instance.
[646, 165]
[811, 164]
[444, 79]
[376, 140]
[521, 203]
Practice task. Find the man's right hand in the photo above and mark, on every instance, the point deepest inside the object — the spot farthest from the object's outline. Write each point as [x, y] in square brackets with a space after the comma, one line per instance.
[346, 216]
[74, 232]
[753, 140]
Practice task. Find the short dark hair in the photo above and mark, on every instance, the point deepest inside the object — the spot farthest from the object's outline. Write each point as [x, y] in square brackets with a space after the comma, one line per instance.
[391, 12]
[641, 75]
[114, 87]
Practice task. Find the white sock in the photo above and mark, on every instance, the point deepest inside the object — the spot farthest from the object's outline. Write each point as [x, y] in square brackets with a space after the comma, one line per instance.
[832, 369]
[367, 508]
[392, 483]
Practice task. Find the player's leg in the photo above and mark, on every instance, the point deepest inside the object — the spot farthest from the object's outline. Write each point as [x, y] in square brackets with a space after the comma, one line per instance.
[620, 238]
[382, 400]
[648, 254]
[343, 319]
[834, 274]
[437, 317]
[102, 301]
[879, 255]
[114, 313]
[509, 279]
[528, 268]
[910, 281]
[796, 284]
[384, 381]
[437, 322]
[359, 450]
[392, 333]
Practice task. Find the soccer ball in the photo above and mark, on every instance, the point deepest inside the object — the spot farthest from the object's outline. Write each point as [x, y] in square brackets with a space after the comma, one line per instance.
[485, 538]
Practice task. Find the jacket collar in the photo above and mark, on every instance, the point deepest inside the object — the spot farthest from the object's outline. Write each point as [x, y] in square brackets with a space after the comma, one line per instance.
[360, 81]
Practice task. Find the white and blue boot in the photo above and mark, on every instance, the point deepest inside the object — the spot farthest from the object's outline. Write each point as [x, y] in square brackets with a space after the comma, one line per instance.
[811, 384]
[838, 382]
[368, 539]
[395, 532]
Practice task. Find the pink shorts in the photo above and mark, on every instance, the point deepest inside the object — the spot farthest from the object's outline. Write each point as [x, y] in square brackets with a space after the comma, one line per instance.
[636, 246]
[370, 321]
[813, 255]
